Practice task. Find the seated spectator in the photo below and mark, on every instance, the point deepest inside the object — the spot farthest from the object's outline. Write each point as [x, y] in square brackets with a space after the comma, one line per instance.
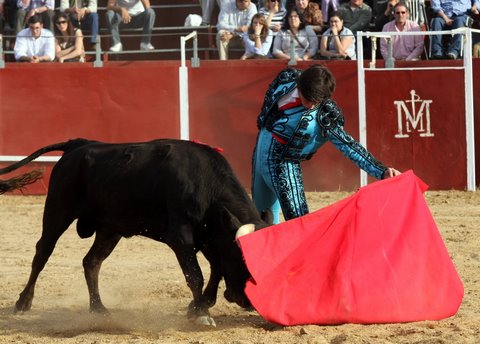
[403, 47]
[356, 15]
[28, 8]
[258, 39]
[312, 14]
[34, 44]
[68, 40]
[384, 13]
[233, 22]
[450, 15]
[123, 14]
[338, 42]
[274, 13]
[294, 31]
[83, 14]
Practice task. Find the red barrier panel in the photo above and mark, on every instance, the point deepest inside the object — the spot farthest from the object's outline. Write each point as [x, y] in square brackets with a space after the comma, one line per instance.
[139, 101]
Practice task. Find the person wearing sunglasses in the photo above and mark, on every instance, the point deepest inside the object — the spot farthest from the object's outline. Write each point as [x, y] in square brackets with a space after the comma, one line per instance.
[34, 44]
[83, 14]
[68, 40]
[403, 47]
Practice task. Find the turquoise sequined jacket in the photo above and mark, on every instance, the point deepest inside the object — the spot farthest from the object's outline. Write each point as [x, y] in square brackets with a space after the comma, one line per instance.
[305, 131]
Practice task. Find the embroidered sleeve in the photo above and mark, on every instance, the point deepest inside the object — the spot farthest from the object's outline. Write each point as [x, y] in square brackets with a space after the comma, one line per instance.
[331, 120]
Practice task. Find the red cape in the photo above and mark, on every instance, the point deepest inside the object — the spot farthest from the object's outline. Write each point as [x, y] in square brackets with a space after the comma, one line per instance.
[374, 257]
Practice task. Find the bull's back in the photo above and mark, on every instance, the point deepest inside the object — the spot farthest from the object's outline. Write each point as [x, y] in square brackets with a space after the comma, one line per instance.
[139, 180]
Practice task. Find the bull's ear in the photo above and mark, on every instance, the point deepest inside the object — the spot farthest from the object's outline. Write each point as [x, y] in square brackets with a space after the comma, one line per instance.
[244, 230]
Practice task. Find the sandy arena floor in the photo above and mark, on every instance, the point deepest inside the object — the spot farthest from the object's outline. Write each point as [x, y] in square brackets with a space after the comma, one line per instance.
[142, 285]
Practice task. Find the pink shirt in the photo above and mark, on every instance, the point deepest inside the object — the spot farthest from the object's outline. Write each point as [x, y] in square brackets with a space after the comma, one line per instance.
[404, 47]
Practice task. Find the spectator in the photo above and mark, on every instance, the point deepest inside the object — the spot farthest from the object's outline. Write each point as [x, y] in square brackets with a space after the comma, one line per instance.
[68, 40]
[338, 42]
[312, 14]
[294, 31]
[34, 44]
[28, 8]
[403, 47]
[328, 7]
[384, 13]
[297, 118]
[450, 15]
[356, 15]
[130, 14]
[274, 13]
[83, 14]
[233, 22]
[258, 39]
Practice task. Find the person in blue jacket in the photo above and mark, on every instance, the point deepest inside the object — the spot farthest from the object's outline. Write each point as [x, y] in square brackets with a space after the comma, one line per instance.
[297, 117]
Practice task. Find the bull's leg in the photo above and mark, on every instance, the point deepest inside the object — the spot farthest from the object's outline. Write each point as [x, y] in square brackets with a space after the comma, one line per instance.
[103, 245]
[184, 248]
[53, 228]
[210, 292]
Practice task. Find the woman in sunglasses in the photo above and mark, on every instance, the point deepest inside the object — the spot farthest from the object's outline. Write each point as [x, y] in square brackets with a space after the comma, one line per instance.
[69, 40]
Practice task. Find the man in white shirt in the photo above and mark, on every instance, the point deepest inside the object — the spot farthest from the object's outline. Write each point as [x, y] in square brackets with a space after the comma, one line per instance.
[233, 21]
[130, 14]
[35, 44]
[83, 14]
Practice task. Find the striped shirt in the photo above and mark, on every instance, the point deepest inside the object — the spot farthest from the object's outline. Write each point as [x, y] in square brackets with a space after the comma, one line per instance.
[277, 18]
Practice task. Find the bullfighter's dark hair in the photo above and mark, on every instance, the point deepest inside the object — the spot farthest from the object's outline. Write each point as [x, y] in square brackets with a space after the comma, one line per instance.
[316, 83]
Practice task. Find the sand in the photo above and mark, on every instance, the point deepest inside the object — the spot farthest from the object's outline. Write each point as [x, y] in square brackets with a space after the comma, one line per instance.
[145, 291]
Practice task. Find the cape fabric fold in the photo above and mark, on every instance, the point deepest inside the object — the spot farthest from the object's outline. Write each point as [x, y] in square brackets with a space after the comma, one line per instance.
[374, 257]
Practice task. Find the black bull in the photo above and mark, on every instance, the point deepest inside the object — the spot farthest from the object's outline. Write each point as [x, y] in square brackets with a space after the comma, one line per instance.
[181, 193]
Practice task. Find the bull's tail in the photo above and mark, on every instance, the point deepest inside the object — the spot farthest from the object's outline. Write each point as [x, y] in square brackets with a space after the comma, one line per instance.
[20, 181]
[32, 176]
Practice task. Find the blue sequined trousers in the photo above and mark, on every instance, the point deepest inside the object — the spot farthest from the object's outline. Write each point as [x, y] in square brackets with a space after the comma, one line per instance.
[277, 183]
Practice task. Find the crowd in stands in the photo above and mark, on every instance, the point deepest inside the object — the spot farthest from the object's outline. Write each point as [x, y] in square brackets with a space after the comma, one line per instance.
[262, 29]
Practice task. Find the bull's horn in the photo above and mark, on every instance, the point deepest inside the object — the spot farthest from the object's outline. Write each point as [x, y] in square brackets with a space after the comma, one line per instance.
[245, 229]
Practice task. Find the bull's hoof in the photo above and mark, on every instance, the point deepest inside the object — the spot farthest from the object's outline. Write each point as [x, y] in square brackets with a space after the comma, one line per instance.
[100, 310]
[21, 307]
[205, 320]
